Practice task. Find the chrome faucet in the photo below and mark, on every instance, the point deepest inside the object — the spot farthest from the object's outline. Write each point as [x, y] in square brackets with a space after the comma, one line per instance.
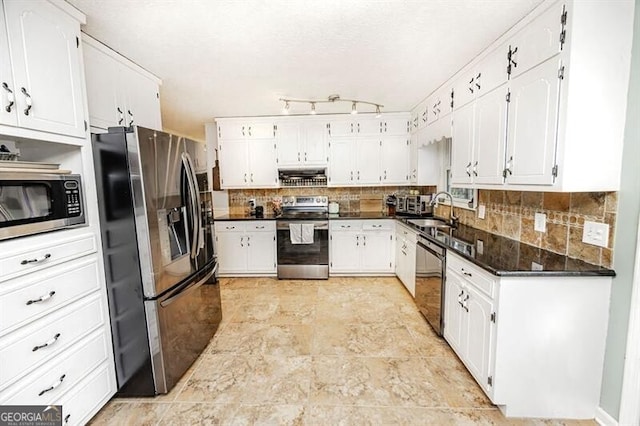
[434, 202]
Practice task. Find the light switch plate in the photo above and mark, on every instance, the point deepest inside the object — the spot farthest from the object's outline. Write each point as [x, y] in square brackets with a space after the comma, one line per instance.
[540, 222]
[481, 211]
[596, 233]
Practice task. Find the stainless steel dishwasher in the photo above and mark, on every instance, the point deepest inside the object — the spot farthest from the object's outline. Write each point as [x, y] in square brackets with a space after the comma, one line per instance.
[430, 276]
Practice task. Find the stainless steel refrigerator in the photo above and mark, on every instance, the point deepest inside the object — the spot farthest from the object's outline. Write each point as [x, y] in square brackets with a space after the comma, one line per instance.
[160, 266]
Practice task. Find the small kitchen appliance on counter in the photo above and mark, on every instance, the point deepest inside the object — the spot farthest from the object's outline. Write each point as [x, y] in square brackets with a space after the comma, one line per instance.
[415, 205]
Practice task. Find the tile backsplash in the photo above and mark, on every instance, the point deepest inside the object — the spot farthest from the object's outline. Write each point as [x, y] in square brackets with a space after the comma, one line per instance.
[357, 199]
[511, 214]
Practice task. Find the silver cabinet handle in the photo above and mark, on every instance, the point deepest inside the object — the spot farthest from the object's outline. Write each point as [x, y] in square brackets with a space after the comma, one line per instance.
[245, 178]
[364, 240]
[358, 174]
[466, 308]
[357, 240]
[345, 226]
[47, 343]
[66, 418]
[36, 260]
[298, 156]
[10, 97]
[241, 240]
[259, 227]
[475, 169]
[468, 167]
[229, 227]
[131, 116]
[251, 177]
[351, 174]
[53, 386]
[248, 239]
[41, 298]
[468, 274]
[121, 120]
[249, 130]
[28, 101]
[305, 157]
[242, 130]
[385, 175]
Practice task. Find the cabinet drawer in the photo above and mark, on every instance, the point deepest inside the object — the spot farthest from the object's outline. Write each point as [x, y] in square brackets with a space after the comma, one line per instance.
[27, 298]
[377, 225]
[41, 340]
[346, 225]
[407, 233]
[88, 396]
[55, 378]
[226, 226]
[475, 275]
[261, 226]
[35, 258]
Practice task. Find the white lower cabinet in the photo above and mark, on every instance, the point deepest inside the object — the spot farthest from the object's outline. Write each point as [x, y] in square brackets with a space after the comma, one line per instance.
[361, 247]
[534, 344]
[246, 247]
[55, 333]
[406, 257]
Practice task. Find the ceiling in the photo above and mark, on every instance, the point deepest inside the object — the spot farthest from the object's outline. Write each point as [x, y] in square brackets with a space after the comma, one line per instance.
[222, 58]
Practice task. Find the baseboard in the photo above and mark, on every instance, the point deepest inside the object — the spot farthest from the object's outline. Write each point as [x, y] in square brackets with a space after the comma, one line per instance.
[604, 419]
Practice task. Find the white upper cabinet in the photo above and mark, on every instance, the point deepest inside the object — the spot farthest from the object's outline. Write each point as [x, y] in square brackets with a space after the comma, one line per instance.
[368, 162]
[44, 53]
[395, 155]
[7, 90]
[342, 152]
[533, 115]
[247, 153]
[546, 96]
[396, 126]
[537, 41]
[119, 93]
[301, 142]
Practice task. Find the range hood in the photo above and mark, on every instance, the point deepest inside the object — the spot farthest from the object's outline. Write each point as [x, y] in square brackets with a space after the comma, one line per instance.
[302, 177]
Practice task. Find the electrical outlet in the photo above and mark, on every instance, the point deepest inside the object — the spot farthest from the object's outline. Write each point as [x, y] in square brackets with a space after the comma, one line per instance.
[596, 233]
[540, 222]
[480, 246]
[481, 211]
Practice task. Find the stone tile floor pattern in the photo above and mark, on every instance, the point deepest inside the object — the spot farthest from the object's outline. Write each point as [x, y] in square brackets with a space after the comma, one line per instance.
[343, 351]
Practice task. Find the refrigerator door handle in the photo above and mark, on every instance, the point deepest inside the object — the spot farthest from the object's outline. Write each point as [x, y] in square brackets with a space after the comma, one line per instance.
[189, 288]
[196, 193]
[195, 231]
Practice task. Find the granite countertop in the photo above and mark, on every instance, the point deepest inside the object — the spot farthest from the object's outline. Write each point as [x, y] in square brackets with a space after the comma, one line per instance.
[506, 257]
[499, 255]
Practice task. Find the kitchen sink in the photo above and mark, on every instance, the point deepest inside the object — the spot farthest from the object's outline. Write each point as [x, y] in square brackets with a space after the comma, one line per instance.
[428, 223]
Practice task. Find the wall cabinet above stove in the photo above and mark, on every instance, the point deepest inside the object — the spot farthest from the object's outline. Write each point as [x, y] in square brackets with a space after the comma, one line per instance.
[301, 143]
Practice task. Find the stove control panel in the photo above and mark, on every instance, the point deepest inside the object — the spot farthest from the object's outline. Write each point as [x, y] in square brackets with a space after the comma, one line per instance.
[306, 201]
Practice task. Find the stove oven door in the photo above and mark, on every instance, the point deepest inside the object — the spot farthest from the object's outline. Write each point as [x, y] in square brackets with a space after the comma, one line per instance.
[303, 261]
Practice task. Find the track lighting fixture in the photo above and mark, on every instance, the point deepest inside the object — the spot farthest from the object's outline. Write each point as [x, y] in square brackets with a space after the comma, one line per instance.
[330, 99]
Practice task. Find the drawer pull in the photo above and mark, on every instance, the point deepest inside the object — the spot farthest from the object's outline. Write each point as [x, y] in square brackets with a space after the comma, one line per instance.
[345, 226]
[466, 308]
[53, 386]
[259, 227]
[42, 259]
[230, 227]
[66, 418]
[41, 298]
[47, 343]
[468, 274]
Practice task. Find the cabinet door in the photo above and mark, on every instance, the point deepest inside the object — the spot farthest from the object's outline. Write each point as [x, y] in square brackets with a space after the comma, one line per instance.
[103, 87]
[465, 89]
[395, 160]
[233, 163]
[340, 128]
[344, 251]
[533, 115]
[263, 171]
[231, 248]
[477, 334]
[537, 41]
[44, 44]
[376, 251]
[368, 159]
[261, 247]
[462, 145]
[490, 137]
[260, 130]
[232, 130]
[7, 90]
[288, 144]
[369, 126]
[452, 310]
[400, 126]
[142, 99]
[342, 162]
[315, 143]
[492, 71]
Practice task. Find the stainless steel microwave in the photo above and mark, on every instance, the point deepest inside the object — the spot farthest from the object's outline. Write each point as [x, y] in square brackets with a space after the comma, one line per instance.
[39, 202]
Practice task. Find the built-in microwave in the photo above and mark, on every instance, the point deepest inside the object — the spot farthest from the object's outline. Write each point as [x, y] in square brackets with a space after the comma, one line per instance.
[39, 202]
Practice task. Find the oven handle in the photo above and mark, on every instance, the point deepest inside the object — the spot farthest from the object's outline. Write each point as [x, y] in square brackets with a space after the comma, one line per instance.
[284, 225]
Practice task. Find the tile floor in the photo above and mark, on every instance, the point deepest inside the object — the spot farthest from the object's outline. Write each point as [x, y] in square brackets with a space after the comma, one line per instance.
[347, 351]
